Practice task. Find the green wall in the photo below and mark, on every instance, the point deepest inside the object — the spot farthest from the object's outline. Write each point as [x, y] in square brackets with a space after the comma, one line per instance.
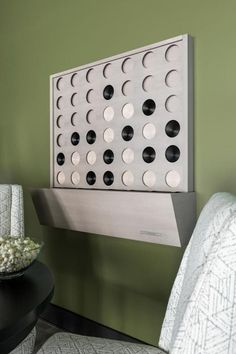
[122, 284]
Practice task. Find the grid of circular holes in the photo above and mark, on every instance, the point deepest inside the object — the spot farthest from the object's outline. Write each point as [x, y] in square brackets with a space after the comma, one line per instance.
[149, 154]
[172, 153]
[127, 133]
[108, 92]
[60, 159]
[108, 156]
[91, 178]
[149, 107]
[91, 137]
[108, 178]
[172, 128]
[75, 138]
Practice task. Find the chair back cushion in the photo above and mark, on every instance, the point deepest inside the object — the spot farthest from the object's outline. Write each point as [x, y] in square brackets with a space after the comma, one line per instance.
[11, 210]
[201, 313]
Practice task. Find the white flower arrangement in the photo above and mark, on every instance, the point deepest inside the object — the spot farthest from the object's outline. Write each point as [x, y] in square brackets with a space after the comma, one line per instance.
[17, 253]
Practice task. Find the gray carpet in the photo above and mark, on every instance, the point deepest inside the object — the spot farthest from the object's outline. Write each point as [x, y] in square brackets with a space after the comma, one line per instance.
[44, 331]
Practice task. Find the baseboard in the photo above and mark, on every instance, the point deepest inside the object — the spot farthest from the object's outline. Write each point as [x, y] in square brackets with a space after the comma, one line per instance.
[70, 321]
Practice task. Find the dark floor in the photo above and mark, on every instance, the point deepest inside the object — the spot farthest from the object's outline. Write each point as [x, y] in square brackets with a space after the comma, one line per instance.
[44, 331]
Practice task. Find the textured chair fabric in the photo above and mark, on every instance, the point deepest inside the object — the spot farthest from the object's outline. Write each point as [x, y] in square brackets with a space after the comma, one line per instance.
[67, 343]
[11, 210]
[27, 346]
[201, 312]
[12, 224]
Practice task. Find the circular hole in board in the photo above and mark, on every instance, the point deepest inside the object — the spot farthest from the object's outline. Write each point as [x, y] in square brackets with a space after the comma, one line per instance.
[60, 120]
[91, 178]
[59, 102]
[127, 65]
[90, 116]
[59, 84]
[61, 177]
[74, 99]
[172, 128]
[172, 78]
[149, 107]
[172, 53]
[75, 138]
[108, 113]
[91, 137]
[173, 179]
[75, 158]
[91, 157]
[172, 153]
[108, 178]
[149, 178]
[149, 131]
[108, 92]
[74, 80]
[60, 159]
[127, 88]
[128, 178]
[172, 104]
[60, 140]
[148, 60]
[128, 156]
[107, 71]
[108, 156]
[148, 83]
[149, 154]
[108, 135]
[127, 133]
[90, 96]
[74, 118]
[75, 178]
[128, 110]
[90, 75]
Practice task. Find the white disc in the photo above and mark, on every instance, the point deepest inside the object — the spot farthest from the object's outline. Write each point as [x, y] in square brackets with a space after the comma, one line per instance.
[172, 104]
[149, 131]
[108, 135]
[149, 178]
[128, 178]
[128, 155]
[172, 53]
[91, 157]
[75, 158]
[108, 113]
[61, 177]
[173, 179]
[127, 65]
[75, 177]
[172, 78]
[128, 110]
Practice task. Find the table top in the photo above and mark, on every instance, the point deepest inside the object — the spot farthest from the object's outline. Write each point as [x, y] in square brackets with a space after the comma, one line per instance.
[22, 300]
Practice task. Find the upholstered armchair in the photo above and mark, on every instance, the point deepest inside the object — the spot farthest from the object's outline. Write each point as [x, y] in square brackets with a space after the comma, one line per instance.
[12, 223]
[201, 313]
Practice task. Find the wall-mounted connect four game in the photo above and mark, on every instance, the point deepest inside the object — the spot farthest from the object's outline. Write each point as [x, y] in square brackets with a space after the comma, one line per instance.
[125, 122]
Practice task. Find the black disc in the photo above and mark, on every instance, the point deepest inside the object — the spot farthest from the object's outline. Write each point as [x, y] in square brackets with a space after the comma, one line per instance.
[149, 154]
[108, 92]
[60, 159]
[127, 133]
[91, 137]
[172, 153]
[172, 128]
[108, 156]
[149, 107]
[91, 178]
[75, 138]
[108, 178]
